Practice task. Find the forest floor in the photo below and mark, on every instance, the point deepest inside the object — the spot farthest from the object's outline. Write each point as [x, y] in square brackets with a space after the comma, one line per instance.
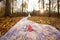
[6, 23]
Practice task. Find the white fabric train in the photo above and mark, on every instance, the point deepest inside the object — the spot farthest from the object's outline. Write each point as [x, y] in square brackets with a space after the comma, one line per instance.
[40, 31]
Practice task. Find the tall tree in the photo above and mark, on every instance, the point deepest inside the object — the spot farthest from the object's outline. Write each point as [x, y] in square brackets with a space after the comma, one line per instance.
[39, 3]
[58, 7]
[25, 5]
[22, 6]
[43, 4]
[7, 9]
[52, 4]
[49, 7]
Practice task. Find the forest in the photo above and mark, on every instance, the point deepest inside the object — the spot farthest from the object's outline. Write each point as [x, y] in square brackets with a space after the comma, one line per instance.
[42, 12]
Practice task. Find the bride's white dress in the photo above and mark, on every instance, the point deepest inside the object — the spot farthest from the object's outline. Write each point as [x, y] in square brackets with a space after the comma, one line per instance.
[40, 31]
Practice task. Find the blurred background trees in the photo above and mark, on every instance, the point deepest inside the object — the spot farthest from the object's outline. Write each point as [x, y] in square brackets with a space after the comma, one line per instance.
[19, 7]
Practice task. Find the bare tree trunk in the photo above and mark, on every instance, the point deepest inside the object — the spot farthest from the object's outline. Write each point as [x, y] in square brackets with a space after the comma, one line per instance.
[7, 9]
[49, 8]
[10, 2]
[22, 6]
[58, 7]
[43, 4]
[39, 4]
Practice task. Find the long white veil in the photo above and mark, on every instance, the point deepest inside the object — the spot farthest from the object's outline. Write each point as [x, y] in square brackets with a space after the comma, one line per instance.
[40, 31]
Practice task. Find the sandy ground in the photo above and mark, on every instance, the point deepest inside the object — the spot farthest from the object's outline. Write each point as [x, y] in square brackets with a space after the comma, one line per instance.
[7, 22]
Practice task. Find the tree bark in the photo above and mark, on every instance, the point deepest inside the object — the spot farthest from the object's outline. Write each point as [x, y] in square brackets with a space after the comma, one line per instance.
[7, 9]
[43, 4]
[22, 6]
[58, 7]
[49, 8]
